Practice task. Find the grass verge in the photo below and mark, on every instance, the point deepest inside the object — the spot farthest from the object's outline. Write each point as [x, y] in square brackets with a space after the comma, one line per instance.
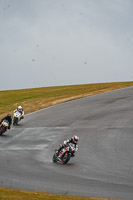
[38, 98]
[11, 194]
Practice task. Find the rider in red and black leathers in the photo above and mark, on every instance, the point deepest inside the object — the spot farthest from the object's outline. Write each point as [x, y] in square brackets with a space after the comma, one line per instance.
[9, 119]
[73, 140]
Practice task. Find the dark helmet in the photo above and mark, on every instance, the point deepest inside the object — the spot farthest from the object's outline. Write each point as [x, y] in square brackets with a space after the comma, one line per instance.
[9, 115]
[75, 139]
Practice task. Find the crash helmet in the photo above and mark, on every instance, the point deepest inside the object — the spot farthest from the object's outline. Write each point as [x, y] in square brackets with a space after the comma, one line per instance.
[20, 108]
[75, 139]
[8, 115]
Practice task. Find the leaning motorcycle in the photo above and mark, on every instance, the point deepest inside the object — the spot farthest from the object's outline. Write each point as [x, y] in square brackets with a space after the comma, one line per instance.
[65, 154]
[4, 126]
[16, 118]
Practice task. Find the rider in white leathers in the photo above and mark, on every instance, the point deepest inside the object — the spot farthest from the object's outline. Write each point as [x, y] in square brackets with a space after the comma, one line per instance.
[21, 111]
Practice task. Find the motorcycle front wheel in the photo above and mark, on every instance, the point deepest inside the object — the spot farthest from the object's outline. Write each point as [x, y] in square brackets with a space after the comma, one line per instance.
[54, 158]
[2, 130]
[15, 121]
[66, 158]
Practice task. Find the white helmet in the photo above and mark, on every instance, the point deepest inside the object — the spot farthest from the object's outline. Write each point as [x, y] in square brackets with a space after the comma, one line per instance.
[20, 108]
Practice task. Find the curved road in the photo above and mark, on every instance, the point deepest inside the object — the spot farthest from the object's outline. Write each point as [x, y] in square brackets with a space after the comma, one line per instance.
[103, 166]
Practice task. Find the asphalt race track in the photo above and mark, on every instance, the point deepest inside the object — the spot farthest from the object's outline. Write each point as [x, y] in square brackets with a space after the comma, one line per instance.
[103, 166]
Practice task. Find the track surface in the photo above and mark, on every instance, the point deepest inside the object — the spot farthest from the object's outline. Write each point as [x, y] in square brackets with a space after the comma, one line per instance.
[103, 166]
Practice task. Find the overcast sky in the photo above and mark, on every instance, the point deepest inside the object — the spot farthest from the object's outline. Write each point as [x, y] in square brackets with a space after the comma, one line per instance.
[65, 42]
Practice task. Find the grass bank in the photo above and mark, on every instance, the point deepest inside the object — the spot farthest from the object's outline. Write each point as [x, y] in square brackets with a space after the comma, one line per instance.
[11, 194]
[38, 98]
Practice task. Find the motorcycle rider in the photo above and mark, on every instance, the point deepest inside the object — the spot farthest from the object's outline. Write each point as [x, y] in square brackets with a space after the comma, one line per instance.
[8, 118]
[20, 110]
[73, 140]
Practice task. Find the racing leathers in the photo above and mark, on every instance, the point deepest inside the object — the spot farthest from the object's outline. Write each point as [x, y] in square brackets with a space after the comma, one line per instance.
[21, 112]
[64, 145]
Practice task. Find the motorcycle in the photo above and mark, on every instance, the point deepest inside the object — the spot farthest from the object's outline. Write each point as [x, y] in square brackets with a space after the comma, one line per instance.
[16, 118]
[65, 154]
[4, 126]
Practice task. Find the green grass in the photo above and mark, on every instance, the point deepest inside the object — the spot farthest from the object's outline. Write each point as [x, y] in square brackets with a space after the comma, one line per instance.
[38, 98]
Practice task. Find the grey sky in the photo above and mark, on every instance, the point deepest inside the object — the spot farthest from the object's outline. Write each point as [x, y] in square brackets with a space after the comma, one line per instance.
[64, 42]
